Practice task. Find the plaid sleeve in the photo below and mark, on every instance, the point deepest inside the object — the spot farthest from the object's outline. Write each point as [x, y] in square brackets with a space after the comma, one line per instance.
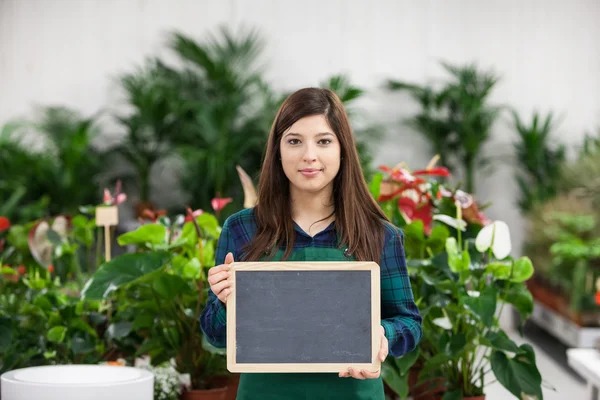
[400, 315]
[214, 318]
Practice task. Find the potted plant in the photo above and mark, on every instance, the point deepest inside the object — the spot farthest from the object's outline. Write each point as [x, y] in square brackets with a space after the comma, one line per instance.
[461, 276]
[164, 284]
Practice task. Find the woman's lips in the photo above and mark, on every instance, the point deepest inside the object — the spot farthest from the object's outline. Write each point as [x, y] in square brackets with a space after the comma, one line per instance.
[309, 172]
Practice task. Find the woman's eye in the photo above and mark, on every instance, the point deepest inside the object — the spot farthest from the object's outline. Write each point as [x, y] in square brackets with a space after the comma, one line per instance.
[293, 141]
[325, 141]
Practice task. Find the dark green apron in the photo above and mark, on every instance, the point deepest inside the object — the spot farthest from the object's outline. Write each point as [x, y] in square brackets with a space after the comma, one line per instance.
[308, 386]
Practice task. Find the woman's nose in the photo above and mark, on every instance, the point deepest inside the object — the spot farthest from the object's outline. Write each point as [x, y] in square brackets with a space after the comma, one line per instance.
[310, 154]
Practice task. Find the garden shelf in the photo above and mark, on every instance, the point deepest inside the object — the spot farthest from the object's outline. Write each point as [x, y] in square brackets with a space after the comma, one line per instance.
[563, 328]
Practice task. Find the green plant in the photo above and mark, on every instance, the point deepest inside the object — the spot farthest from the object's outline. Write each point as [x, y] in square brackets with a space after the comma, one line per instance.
[463, 291]
[56, 179]
[581, 176]
[223, 98]
[431, 120]
[457, 118]
[540, 163]
[163, 287]
[42, 322]
[576, 257]
[152, 124]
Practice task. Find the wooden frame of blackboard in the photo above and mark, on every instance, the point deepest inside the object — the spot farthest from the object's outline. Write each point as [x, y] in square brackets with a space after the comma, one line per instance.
[375, 364]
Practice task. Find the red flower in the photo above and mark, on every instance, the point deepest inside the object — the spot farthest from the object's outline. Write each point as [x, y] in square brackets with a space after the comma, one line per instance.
[153, 215]
[4, 224]
[21, 270]
[219, 203]
[413, 211]
[51, 269]
[437, 171]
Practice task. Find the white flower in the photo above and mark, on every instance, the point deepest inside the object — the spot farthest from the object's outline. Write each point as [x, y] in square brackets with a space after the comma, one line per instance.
[497, 236]
[459, 224]
[443, 322]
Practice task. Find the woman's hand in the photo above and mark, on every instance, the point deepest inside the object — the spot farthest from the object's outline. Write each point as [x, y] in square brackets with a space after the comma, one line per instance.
[218, 277]
[363, 374]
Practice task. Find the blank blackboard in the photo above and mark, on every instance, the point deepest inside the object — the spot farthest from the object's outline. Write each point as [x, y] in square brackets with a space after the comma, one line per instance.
[303, 317]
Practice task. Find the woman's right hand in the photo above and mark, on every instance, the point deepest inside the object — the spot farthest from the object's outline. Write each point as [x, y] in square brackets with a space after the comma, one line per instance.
[218, 277]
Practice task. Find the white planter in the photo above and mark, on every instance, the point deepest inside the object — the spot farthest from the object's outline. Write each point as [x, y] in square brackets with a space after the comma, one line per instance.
[77, 382]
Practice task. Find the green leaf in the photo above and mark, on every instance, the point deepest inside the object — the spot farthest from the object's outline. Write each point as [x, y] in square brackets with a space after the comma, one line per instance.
[82, 343]
[518, 374]
[119, 329]
[520, 297]
[189, 234]
[437, 239]
[499, 270]
[169, 286]
[5, 333]
[457, 262]
[375, 185]
[483, 306]
[453, 395]
[396, 381]
[49, 354]
[80, 325]
[500, 341]
[522, 270]
[143, 321]
[192, 269]
[406, 362]
[57, 334]
[8, 271]
[122, 270]
[153, 234]
[457, 344]
[209, 225]
[43, 303]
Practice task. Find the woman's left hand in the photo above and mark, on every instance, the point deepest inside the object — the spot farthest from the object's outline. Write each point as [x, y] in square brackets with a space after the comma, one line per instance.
[364, 374]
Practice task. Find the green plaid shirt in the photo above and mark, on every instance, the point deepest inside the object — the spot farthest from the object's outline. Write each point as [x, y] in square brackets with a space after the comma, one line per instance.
[399, 313]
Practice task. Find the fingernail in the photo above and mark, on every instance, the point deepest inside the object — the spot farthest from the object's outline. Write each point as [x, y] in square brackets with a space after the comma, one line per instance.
[350, 370]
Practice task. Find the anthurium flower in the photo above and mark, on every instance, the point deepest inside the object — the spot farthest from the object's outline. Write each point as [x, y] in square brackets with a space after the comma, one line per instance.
[219, 203]
[412, 211]
[153, 215]
[496, 236]
[4, 224]
[192, 214]
[450, 221]
[443, 323]
[40, 247]
[437, 171]
[118, 198]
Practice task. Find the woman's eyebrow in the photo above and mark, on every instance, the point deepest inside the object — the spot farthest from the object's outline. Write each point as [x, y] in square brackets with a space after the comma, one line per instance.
[317, 135]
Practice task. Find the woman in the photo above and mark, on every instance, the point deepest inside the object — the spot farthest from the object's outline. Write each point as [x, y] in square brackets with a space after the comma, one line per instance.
[312, 196]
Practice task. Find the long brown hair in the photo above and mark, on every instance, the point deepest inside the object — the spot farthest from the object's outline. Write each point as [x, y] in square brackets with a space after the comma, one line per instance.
[358, 218]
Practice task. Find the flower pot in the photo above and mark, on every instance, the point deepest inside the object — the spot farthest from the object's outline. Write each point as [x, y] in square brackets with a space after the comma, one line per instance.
[207, 394]
[432, 389]
[231, 381]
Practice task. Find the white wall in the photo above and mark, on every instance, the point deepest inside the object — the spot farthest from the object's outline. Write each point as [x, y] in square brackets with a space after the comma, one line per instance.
[69, 51]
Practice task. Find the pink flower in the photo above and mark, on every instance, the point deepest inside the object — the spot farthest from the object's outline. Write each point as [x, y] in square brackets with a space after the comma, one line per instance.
[219, 203]
[119, 198]
[192, 214]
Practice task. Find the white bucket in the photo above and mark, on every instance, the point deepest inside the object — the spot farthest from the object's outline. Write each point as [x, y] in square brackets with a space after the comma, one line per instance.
[77, 382]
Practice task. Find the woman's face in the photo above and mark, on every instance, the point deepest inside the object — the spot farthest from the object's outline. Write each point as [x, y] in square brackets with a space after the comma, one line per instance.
[310, 155]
